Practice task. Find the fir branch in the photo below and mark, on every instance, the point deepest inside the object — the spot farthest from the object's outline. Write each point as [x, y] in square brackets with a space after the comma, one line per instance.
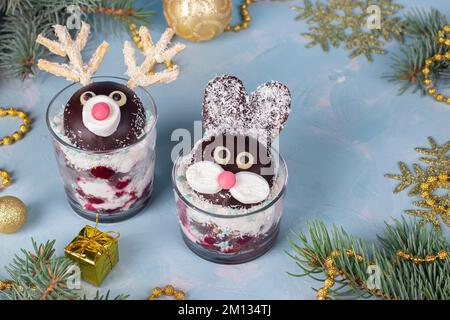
[399, 279]
[18, 49]
[106, 13]
[39, 275]
[422, 29]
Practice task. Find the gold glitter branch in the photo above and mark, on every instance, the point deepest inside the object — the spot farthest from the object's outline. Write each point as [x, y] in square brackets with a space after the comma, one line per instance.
[426, 182]
[344, 22]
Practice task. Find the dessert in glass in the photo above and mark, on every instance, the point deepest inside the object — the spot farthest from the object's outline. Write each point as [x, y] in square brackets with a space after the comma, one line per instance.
[107, 174]
[229, 189]
[104, 128]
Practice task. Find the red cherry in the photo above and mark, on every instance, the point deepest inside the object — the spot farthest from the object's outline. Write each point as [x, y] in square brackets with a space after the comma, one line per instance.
[81, 192]
[226, 180]
[244, 239]
[100, 111]
[123, 184]
[102, 172]
[94, 200]
[89, 207]
[120, 194]
[209, 240]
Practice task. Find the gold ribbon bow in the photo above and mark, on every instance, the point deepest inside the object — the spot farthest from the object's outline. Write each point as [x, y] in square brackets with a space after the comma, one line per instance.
[93, 240]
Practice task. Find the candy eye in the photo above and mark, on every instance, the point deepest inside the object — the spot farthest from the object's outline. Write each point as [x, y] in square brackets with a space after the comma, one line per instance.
[119, 97]
[86, 96]
[245, 160]
[222, 155]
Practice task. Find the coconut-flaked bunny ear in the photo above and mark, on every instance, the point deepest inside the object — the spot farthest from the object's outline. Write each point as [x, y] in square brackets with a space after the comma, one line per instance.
[75, 70]
[227, 106]
[269, 108]
[224, 104]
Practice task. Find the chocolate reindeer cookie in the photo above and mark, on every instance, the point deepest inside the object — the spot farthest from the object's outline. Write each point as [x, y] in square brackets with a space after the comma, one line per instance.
[232, 165]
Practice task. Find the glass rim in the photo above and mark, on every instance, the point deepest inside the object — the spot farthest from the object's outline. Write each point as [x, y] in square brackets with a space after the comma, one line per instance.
[68, 145]
[227, 216]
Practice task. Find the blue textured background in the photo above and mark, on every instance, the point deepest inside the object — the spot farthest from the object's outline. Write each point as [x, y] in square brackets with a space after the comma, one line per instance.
[347, 128]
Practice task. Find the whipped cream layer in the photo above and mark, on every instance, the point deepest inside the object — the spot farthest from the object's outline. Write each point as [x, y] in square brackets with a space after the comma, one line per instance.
[109, 181]
[234, 220]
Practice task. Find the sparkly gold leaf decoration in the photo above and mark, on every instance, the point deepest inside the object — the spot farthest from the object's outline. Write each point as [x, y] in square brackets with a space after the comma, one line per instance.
[338, 22]
[426, 184]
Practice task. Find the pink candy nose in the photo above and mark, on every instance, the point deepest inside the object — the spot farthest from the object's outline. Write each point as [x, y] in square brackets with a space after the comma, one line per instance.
[226, 180]
[100, 111]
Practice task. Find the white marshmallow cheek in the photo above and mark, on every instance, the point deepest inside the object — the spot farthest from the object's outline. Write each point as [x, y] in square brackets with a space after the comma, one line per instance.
[202, 177]
[250, 188]
[102, 128]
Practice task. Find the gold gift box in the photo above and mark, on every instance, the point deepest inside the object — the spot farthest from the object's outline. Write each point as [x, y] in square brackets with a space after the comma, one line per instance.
[95, 252]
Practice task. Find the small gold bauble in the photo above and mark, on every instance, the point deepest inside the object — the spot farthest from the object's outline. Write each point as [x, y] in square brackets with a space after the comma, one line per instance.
[157, 292]
[198, 20]
[179, 295]
[438, 57]
[329, 282]
[442, 254]
[13, 214]
[169, 290]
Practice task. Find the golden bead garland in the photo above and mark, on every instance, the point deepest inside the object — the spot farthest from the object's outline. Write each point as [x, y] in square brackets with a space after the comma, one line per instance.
[332, 271]
[441, 255]
[5, 179]
[137, 39]
[245, 17]
[168, 291]
[6, 285]
[430, 85]
[23, 129]
[427, 189]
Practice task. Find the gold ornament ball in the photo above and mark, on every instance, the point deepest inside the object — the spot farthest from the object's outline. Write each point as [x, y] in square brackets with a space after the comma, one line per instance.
[198, 20]
[13, 214]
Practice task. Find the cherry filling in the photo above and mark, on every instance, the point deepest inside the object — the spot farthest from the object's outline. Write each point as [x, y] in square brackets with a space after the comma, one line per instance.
[123, 184]
[118, 183]
[102, 172]
[213, 238]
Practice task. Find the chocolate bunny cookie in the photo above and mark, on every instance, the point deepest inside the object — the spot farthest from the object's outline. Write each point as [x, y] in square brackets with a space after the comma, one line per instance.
[232, 165]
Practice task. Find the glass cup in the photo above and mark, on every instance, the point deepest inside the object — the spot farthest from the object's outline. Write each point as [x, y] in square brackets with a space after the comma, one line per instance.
[229, 238]
[116, 184]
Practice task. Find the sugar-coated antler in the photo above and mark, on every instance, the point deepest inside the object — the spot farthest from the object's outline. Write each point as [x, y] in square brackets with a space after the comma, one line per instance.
[154, 53]
[75, 70]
